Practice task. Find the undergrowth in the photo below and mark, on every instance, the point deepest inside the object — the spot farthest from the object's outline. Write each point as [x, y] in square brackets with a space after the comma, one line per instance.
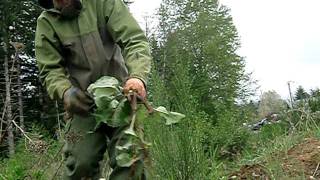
[270, 145]
[188, 150]
[35, 159]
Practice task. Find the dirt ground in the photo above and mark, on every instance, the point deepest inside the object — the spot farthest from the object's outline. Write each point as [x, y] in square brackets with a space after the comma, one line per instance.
[301, 160]
[250, 172]
[304, 159]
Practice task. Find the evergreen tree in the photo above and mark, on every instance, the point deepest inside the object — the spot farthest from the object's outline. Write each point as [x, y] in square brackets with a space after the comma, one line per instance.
[315, 92]
[314, 100]
[18, 26]
[301, 94]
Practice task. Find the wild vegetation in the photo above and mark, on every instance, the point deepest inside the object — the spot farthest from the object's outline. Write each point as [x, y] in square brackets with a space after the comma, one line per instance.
[197, 72]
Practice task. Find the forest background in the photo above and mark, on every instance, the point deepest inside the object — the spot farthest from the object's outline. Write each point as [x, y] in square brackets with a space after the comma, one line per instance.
[196, 71]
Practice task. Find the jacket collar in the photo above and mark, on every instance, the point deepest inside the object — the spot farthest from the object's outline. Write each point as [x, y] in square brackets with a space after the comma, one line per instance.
[54, 11]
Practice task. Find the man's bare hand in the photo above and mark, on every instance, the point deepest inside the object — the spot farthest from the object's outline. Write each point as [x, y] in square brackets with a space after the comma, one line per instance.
[136, 85]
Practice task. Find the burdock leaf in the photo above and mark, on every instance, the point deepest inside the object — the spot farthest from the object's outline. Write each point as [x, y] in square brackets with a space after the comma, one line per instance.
[121, 114]
[125, 146]
[103, 82]
[103, 115]
[131, 132]
[102, 101]
[170, 117]
[114, 109]
[126, 160]
[114, 104]
[107, 91]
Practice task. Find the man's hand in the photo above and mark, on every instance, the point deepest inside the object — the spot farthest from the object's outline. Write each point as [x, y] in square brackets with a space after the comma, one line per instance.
[76, 101]
[136, 85]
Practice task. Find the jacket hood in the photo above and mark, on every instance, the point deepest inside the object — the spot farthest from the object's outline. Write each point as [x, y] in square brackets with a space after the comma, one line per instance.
[47, 4]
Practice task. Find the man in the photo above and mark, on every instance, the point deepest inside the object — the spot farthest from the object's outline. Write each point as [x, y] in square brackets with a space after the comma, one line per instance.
[77, 42]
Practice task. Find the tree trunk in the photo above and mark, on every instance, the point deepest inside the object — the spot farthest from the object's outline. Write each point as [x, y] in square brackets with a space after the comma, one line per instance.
[9, 116]
[41, 103]
[20, 101]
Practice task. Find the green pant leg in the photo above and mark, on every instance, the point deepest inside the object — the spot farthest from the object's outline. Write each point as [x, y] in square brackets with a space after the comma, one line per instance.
[84, 149]
[135, 172]
[131, 173]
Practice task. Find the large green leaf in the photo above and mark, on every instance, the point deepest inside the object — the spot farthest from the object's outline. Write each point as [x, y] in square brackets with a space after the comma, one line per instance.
[126, 160]
[121, 114]
[113, 109]
[169, 117]
[103, 116]
[104, 82]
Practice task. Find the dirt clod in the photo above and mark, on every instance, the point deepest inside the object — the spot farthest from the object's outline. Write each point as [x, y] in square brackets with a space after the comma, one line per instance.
[303, 159]
[250, 172]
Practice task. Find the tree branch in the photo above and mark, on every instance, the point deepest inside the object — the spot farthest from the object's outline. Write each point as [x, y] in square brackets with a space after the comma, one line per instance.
[24, 134]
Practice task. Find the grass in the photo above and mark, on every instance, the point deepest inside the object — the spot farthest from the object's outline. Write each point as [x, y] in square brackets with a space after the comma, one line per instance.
[36, 161]
[180, 152]
[270, 148]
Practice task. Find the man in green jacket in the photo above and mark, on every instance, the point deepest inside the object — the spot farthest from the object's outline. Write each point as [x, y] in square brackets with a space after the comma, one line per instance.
[77, 42]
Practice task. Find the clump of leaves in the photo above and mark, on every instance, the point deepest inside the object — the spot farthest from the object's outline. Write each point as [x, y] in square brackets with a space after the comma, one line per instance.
[115, 110]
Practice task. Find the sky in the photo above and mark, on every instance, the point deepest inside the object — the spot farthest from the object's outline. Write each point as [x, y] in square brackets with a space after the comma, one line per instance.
[280, 40]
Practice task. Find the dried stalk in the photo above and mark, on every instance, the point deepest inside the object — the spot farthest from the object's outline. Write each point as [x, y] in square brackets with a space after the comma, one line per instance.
[315, 172]
[22, 131]
[56, 173]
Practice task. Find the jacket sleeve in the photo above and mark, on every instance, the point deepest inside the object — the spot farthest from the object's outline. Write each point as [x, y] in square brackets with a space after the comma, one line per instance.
[126, 32]
[50, 62]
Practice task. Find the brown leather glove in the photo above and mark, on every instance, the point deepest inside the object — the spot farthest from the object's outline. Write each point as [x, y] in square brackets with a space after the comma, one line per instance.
[77, 101]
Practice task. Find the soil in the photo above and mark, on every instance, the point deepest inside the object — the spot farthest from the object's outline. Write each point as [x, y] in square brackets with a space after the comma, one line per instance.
[301, 160]
[250, 172]
[304, 159]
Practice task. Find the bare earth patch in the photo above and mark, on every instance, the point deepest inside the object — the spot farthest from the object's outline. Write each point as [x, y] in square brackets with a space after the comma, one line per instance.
[250, 172]
[303, 159]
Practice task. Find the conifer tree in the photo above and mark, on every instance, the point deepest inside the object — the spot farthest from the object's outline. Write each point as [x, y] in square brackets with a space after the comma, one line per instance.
[17, 55]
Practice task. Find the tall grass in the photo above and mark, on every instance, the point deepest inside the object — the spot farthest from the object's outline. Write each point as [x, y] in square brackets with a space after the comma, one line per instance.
[178, 152]
[269, 146]
[38, 159]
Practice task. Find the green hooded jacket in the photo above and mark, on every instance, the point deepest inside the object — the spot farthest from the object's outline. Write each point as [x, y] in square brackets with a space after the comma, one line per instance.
[79, 51]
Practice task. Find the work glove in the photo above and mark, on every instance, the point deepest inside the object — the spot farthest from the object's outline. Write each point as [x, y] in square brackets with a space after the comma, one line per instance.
[77, 101]
[136, 85]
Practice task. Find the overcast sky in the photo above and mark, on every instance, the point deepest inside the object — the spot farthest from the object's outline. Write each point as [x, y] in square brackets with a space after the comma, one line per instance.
[280, 39]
